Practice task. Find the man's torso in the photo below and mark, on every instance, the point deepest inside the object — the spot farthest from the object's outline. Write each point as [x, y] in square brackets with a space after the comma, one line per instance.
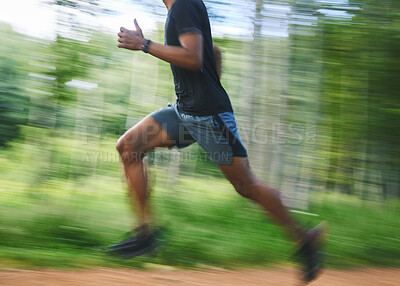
[199, 93]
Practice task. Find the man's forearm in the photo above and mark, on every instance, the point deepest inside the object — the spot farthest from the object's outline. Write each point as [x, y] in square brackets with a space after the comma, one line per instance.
[175, 55]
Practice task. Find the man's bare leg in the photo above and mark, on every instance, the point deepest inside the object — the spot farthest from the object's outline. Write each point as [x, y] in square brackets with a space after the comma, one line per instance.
[132, 146]
[246, 184]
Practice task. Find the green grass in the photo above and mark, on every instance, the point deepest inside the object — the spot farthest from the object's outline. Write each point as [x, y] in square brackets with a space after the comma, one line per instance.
[207, 224]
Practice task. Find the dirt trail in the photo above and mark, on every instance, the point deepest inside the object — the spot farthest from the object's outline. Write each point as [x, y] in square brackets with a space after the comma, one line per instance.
[117, 277]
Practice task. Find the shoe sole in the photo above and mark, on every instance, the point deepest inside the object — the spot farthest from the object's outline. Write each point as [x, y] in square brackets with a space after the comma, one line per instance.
[124, 252]
[130, 254]
[120, 249]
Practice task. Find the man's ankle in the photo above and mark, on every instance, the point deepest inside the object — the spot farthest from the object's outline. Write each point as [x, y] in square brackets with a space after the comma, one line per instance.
[144, 228]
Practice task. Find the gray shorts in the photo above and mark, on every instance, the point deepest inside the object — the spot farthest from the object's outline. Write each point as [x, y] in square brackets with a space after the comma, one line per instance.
[216, 134]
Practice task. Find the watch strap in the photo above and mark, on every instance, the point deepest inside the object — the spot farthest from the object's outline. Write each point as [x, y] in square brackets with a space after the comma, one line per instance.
[145, 46]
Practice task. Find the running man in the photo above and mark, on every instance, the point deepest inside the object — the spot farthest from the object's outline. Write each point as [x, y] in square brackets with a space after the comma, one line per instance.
[202, 114]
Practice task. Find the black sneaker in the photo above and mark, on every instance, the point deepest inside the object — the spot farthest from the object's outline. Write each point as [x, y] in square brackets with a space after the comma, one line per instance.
[140, 242]
[310, 252]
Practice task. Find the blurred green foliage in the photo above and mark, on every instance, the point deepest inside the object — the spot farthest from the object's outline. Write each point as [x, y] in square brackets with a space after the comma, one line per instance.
[318, 112]
[205, 227]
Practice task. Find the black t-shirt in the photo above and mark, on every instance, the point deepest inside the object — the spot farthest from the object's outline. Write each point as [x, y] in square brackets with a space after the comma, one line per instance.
[199, 93]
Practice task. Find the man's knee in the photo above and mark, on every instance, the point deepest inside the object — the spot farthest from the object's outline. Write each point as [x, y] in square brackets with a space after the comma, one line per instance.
[130, 150]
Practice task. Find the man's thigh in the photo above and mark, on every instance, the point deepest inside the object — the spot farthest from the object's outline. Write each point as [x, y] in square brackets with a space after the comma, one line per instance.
[238, 171]
[146, 135]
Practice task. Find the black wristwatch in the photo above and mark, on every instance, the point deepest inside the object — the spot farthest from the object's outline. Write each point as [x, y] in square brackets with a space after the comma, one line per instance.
[145, 46]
